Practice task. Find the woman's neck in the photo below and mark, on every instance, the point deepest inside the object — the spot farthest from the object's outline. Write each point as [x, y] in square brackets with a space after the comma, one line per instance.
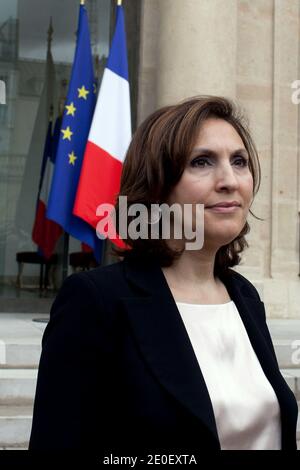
[191, 279]
[192, 268]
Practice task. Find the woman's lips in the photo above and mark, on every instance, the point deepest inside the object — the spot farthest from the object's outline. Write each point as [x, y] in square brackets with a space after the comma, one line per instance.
[223, 210]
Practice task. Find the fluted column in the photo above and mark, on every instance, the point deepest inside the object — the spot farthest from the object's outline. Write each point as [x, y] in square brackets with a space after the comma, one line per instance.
[188, 47]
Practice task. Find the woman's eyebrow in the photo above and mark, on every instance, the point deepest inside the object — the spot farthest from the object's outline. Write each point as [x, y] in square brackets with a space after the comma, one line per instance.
[207, 151]
[241, 151]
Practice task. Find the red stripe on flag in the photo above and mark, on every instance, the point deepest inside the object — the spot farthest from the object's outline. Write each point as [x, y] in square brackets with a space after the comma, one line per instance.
[86, 248]
[45, 232]
[99, 183]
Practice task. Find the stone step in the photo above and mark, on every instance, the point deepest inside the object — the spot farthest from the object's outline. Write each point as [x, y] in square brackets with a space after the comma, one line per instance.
[20, 339]
[21, 336]
[15, 426]
[15, 420]
[17, 386]
[20, 348]
[21, 353]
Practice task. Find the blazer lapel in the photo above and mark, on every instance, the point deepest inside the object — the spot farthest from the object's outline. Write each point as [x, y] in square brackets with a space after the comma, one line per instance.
[165, 344]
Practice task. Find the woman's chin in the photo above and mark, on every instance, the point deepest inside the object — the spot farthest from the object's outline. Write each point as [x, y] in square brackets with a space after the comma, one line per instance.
[220, 238]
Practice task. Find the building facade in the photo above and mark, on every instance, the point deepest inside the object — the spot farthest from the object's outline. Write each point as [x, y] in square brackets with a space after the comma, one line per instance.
[247, 50]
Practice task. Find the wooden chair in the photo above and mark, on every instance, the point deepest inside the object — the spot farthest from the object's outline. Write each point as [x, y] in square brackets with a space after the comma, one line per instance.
[82, 261]
[33, 257]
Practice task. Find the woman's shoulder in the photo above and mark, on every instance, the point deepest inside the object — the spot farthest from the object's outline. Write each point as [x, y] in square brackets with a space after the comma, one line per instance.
[102, 275]
[85, 294]
[101, 285]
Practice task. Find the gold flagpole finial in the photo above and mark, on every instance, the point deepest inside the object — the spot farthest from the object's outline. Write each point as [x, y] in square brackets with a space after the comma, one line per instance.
[119, 3]
[82, 2]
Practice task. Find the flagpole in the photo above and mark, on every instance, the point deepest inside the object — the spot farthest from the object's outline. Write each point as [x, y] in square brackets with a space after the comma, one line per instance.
[65, 263]
[50, 33]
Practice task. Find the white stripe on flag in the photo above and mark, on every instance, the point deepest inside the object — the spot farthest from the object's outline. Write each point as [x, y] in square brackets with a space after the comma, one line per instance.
[111, 126]
[46, 185]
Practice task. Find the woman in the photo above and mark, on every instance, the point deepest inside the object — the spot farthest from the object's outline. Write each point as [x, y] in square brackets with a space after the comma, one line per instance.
[168, 350]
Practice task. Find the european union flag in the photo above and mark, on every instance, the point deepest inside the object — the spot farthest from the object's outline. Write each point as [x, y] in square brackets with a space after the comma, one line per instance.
[76, 121]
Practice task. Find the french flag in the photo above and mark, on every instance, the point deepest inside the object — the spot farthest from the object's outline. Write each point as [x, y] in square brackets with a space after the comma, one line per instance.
[109, 135]
[45, 232]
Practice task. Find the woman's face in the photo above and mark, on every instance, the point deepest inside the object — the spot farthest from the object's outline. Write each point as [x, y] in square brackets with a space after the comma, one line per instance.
[217, 171]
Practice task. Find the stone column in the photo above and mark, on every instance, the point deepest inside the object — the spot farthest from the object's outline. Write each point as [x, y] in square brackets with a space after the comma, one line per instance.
[285, 183]
[188, 47]
[255, 94]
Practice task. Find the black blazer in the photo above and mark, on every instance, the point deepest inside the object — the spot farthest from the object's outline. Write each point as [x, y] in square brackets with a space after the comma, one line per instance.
[118, 372]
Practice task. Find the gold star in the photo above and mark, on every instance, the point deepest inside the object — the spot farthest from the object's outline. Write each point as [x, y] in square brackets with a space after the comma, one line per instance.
[67, 133]
[82, 92]
[72, 158]
[70, 109]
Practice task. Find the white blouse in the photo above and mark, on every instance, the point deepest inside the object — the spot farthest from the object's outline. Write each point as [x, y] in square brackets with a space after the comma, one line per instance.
[245, 406]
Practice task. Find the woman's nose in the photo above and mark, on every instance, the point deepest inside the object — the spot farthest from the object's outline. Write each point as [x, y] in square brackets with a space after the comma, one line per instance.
[226, 177]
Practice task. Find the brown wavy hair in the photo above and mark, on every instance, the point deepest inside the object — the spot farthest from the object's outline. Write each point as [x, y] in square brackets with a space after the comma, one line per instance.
[155, 162]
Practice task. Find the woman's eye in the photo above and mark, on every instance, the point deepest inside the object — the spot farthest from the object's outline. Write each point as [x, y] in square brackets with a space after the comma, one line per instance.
[200, 162]
[241, 161]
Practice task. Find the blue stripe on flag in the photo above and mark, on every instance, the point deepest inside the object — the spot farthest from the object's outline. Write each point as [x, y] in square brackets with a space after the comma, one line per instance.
[117, 59]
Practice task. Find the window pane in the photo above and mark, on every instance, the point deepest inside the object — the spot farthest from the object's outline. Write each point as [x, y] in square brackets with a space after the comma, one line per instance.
[23, 48]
